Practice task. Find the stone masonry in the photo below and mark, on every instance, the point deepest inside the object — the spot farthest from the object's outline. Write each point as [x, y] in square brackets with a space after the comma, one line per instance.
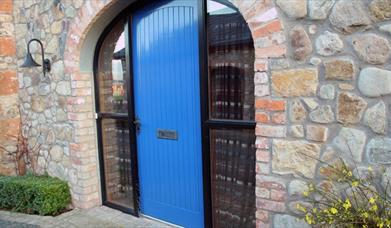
[322, 67]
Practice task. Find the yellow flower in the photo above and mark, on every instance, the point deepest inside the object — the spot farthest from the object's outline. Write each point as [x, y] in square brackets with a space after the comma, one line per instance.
[365, 215]
[305, 193]
[347, 204]
[370, 168]
[309, 219]
[333, 210]
[371, 200]
[374, 208]
[301, 208]
[355, 183]
[350, 173]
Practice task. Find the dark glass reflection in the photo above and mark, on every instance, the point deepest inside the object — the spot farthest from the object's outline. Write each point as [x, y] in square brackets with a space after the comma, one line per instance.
[117, 162]
[111, 73]
[233, 178]
[231, 64]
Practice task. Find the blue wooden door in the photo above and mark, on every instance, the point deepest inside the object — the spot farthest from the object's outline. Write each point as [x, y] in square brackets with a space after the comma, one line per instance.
[167, 103]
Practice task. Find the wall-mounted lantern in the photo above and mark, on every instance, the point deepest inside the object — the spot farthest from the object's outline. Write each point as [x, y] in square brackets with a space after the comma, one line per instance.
[30, 62]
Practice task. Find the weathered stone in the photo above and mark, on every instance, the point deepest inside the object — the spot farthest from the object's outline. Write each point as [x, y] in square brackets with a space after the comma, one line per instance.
[297, 187]
[57, 170]
[57, 70]
[9, 107]
[379, 150]
[329, 155]
[288, 221]
[312, 29]
[61, 115]
[345, 86]
[63, 88]
[339, 69]
[38, 104]
[385, 28]
[289, 157]
[323, 114]
[375, 118]
[315, 61]
[351, 143]
[56, 153]
[317, 133]
[52, 46]
[380, 9]
[311, 103]
[374, 82]
[327, 92]
[293, 8]
[296, 82]
[386, 181]
[349, 16]
[319, 9]
[328, 44]
[43, 89]
[293, 207]
[350, 108]
[297, 111]
[296, 131]
[372, 48]
[63, 132]
[301, 43]
[56, 27]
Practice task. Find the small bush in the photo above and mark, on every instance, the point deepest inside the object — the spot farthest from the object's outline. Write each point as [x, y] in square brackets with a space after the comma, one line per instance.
[30, 194]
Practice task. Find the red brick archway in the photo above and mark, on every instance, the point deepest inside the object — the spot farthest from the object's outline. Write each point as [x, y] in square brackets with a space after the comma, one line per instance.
[269, 41]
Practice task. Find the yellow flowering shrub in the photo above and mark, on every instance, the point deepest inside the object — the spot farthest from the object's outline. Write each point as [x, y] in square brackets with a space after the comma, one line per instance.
[351, 201]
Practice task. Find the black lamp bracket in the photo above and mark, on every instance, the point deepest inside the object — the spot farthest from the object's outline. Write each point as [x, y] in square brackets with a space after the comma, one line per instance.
[45, 62]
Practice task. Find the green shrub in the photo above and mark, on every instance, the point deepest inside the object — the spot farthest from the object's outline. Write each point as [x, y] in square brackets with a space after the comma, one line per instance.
[30, 194]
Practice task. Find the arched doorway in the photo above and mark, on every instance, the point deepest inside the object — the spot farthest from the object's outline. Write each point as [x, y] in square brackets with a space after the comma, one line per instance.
[175, 104]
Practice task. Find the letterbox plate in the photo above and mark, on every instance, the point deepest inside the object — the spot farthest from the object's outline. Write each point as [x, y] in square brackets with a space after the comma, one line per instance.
[167, 134]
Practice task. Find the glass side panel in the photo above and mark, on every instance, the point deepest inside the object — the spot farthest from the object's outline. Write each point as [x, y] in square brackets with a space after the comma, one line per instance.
[112, 69]
[231, 64]
[117, 162]
[233, 177]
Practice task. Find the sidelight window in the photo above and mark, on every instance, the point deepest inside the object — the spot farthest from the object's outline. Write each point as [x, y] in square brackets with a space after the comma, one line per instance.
[231, 116]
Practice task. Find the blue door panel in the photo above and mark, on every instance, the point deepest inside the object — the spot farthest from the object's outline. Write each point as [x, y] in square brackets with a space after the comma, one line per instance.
[166, 88]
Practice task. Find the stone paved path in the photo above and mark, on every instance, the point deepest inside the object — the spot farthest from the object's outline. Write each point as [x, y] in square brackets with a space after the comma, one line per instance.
[98, 217]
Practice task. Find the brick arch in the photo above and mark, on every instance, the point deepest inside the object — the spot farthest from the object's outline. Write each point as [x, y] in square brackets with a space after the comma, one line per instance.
[269, 42]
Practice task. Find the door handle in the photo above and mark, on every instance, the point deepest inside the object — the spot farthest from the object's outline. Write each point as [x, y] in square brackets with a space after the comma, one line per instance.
[137, 124]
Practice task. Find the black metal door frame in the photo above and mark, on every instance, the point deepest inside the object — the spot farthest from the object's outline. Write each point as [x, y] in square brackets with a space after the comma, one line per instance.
[206, 123]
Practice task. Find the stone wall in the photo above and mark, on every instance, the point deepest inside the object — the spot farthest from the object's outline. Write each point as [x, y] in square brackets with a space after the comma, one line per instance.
[322, 88]
[322, 92]
[9, 113]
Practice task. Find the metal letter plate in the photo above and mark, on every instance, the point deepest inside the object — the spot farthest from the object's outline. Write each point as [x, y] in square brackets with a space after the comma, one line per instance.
[167, 134]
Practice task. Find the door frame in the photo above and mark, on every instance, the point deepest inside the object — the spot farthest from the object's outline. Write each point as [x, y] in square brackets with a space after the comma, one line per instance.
[206, 124]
